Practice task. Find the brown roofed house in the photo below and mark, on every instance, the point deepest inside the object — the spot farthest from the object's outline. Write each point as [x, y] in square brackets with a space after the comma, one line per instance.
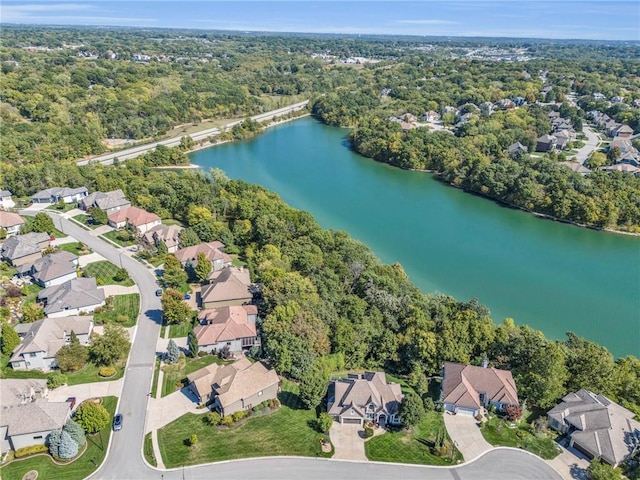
[367, 397]
[167, 234]
[109, 202]
[233, 327]
[239, 386]
[10, 222]
[140, 219]
[229, 286]
[467, 388]
[596, 426]
[212, 250]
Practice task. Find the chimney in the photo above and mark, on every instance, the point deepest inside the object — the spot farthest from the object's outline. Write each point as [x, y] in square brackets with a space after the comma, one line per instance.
[485, 362]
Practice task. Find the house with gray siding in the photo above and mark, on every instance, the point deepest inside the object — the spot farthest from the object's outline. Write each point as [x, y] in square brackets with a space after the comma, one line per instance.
[108, 202]
[45, 337]
[365, 397]
[238, 386]
[233, 327]
[55, 194]
[23, 249]
[73, 297]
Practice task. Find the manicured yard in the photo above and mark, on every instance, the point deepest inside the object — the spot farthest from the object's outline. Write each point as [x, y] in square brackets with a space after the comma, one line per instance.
[148, 451]
[180, 330]
[284, 432]
[186, 365]
[77, 470]
[55, 232]
[88, 374]
[31, 291]
[65, 207]
[411, 447]
[104, 273]
[86, 220]
[127, 305]
[498, 433]
[114, 236]
[76, 248]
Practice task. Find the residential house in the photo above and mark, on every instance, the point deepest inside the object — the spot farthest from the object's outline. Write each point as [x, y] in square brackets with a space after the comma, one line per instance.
[55, 194]
[109, 201]
[596, 426]
[366, 397]
[577, 167]
[546, 89]
[623, 131]
[408, 117]
[516, 148]
[11, 222]
[141, 220]
[213, 251]
[30, 423]
[227, 287]
[611, 127]
[466, 389]
[52, 269]
[430, 116]
[563, 137]
[23, 249]
[6, 202]
[16, 391]
[598, 96]
[622, 167]
[45, 337]
[167, 234]
[407, 126]
[545, 143]
[232, 388]
[487, 108]
[505, 104]
[233, 327]
[519, 101]
[73, 297]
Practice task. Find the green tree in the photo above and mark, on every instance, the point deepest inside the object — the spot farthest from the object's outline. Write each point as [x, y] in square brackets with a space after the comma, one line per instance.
[76, 432]
[56, 379]
[203, 267]
[121, 275]
[9, 338]
[92, 416]
[173, 352]
[3, 233]
[590, 366]
[72, 357]
[601, 471]
[174, 275]
[31, 312]
[42, 223]
[325, 421]
[192, 340]
[411, 410]
[68, 448]
[174, 309]
[53, 441]
[99, 216]
[188, 238]
[161, 247]
[313, 388]
[110, 348]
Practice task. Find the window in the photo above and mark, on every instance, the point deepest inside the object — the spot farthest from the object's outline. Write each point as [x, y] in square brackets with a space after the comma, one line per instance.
[229, 343]
[38, 437]
[32, 354]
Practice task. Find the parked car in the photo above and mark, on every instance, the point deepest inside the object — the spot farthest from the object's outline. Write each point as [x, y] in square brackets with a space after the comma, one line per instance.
[159, 292]
[117, 422]
[187, 296]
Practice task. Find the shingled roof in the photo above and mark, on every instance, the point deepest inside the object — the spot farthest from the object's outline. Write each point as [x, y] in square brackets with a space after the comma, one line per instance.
[75, 293]
[50, 267]
[227, 284]
[463, 384]
[225, 323]
[358, 391]
[134, 216]
[34, 417]
[105, 200]
[10, 219]
[212, 250]
[23, 245]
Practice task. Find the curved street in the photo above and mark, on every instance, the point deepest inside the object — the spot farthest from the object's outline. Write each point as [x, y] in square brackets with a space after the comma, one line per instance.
[124, 459]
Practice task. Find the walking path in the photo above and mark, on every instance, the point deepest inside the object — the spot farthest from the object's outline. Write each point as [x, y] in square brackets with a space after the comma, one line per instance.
[466, 435]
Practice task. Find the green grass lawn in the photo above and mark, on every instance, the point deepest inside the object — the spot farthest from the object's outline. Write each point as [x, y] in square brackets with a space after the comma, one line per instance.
[77, 248]
[86, 220]
[411, 446]
[31, 292]
[113, 236]
[284, 432]
[88, 374]
[180, 329]
[127, 305]
[172, 221]
[148, 451]
[154, 383]
[65, 207]
[186, 365]
[104, 272]
[79, 469]
[497, 433]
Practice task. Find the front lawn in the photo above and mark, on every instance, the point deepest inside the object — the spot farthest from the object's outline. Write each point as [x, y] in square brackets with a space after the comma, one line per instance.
[77, 248]
[62, 208]
[183, 367]
[121, 306]
[497, 432]
[120, 237]
[77, 470]
[284, 432]
[180, 329]
[104, 272]
[31, 292]
[87, 374]
[412, 446]
[148, 451]
[86, 221]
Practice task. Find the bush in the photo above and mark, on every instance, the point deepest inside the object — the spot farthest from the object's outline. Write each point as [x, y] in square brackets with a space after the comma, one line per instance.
[429, 404]
[325, 421]
[122, 319]
[106, 371]
[514, 412]
[33, 449]
[193, 439]
[226, 421]
[239, 415]
[92, 416]
[368, 432]
[56, 379]
[213, 418]
[121, 275]
[68, 447]
[53, 440]
[75, 431]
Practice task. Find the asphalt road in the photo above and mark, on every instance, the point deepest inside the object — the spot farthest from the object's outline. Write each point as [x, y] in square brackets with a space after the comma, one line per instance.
[124, 459]
[133, 152]
[589, 146]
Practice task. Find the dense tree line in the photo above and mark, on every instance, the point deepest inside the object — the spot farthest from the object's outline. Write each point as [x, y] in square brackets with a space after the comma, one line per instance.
[326, 296]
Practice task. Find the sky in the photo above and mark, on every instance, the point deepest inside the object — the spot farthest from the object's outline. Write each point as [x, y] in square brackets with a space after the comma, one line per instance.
[574, 19]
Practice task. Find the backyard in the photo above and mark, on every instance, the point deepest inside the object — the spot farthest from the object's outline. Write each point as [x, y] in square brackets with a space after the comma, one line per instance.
[106, 273]
[81, 468]
[119, 307]
[498, 432]
[287, 431]
[405, 446]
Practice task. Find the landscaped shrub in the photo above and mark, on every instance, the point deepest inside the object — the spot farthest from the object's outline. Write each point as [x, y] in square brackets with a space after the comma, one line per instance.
[226, 421]
[56, 379]
[106, 371]
[325, 421]
[193, 439]
[53, 440]
[68, 447]
[121, 275]
[76, 432]
[429, 404]
[239, 415]
[274, 403]
[514, 412]
[368, 432]
[122, 319]
[92, 416]
[173, 352]
[24, 451]
[213, 418]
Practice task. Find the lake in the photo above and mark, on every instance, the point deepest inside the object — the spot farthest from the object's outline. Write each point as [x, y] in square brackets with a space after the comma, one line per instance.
[552, 276]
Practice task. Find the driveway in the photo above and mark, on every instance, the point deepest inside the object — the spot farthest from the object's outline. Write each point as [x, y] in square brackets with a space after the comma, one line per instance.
[85, 260]
[119, 290]
[348, 443]
[590, 145]
[465, 433]
[571, 464]
[86, 390]
[165, 410]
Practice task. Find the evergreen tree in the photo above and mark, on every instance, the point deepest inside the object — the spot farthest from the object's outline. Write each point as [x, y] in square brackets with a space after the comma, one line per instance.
[53, 440]
[173, 352]
[68, 447]
[75, 431]
[411, 410]
[193, 344]
[9, 338]
[313, 387]
[161, 247]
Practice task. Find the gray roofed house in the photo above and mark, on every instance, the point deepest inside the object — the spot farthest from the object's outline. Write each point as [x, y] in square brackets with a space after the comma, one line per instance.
[577, 167]
[516, 148]
[596, 426]
[229, 286]
[6, 201]
[23, 249]
[55, 194]
[73, 297]
[545, 143]
[107, 201]
[16, 391]
[30, 423]
[168, 234]
[52, 269]
[366, 397]
[468, 388]
[45, 337]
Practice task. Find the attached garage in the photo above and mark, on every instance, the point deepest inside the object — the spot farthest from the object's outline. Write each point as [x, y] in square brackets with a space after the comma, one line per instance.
[351, 421]
[471, 412]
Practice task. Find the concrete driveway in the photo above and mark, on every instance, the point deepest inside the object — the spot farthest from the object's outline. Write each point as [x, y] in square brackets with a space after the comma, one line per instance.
[86, 390]
[589, 146]
[348, 443]
[165, 410]
[571, 464]
[465, 433]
